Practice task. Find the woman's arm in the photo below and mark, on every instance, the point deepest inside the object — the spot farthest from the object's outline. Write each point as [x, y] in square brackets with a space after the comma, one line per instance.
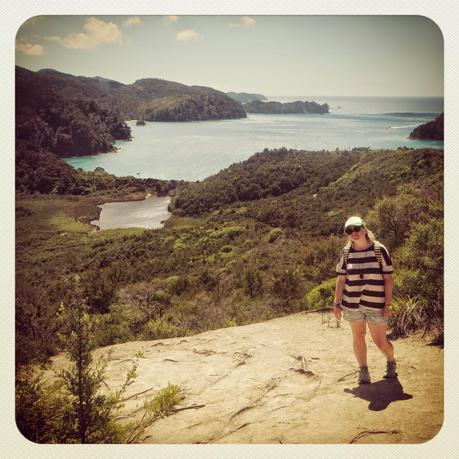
[339, 289]
[388, 290]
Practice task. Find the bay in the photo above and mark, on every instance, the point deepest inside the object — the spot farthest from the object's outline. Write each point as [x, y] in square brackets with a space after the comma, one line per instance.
[149, 213]
[196, 150]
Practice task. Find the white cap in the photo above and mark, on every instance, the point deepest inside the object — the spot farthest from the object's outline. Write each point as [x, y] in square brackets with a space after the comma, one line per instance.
[354, 221]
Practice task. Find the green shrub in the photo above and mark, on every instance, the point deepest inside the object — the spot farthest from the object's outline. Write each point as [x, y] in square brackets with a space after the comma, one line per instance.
[321, 296]
[160, 328]
[274, 234]
[287, 283]
[39, 407]
[176, 285]
[230, 232]
[113, 327]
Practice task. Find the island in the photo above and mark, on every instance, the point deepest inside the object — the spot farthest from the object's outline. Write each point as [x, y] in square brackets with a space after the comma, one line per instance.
[285, 108]
[433, 130]
[245, 97]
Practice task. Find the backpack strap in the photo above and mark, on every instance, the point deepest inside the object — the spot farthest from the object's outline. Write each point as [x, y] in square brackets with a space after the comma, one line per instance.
[377, 247]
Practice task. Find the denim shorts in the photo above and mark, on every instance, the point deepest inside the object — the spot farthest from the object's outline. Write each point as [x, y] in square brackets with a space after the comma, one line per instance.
[371, 315]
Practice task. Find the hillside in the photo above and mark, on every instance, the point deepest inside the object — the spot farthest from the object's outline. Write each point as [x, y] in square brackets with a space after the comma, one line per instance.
[63, 124]
[150, 98]
[287, 380]
[285, 108]
[291, 188]
[231, 262]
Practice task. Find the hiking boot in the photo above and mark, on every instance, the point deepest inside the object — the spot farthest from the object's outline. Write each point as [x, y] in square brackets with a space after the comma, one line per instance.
[364, 375]
[390, 372]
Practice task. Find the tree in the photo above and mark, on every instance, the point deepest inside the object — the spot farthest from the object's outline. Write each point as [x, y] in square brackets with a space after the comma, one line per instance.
[89, 418]
[72, 409]
[252, 281]
[101, 287]
[151, 298]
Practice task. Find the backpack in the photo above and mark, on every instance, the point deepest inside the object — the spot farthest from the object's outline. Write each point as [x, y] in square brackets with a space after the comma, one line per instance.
[377, 248]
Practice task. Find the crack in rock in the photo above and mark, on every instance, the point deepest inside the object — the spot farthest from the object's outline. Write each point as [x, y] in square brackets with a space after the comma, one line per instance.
[373, 432]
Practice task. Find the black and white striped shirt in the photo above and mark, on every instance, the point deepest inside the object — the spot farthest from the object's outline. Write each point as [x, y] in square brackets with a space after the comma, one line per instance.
[364, 277]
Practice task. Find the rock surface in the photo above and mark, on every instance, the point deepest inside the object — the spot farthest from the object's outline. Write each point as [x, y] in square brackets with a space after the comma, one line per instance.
[287, 380]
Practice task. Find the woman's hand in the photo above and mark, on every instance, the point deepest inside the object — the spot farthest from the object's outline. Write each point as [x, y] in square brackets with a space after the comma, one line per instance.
[337, 312]
[387, 312]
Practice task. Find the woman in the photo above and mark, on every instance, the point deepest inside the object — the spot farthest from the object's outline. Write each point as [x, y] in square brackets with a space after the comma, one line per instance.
[364, 293]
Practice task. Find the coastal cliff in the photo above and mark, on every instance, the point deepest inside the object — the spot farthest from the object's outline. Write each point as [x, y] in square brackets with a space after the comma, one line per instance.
[433, 130]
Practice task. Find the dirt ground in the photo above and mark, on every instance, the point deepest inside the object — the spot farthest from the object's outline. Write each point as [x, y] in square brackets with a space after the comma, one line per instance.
[287, 380]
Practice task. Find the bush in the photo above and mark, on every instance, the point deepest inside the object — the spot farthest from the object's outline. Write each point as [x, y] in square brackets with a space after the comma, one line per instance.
[423, 253]
[274, 234]
[39, 409]
[113, 327]
[287, 283]
[321, 296]
[252, 281]
[230, 232]
[412, 314]
[160, 328]
[176, 285]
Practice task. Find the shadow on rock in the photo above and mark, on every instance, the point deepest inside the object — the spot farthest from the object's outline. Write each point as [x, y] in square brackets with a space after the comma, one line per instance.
[380, 394]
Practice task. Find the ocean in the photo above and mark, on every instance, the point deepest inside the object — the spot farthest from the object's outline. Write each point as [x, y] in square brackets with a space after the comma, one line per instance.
[195, 150]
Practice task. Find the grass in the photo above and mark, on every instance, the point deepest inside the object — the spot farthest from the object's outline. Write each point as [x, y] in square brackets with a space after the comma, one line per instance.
[67, 224]
[183, 222]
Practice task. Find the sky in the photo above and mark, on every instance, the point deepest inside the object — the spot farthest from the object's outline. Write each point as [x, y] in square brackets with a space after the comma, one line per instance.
[378, 56]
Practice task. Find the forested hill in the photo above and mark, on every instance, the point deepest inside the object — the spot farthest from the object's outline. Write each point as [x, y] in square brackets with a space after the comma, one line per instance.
[60, 122]
[151, 98]
[268, 173]
[274, 107]
[311, 191]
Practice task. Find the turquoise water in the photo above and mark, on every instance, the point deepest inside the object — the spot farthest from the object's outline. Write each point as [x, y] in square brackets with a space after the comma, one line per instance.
[195, 150]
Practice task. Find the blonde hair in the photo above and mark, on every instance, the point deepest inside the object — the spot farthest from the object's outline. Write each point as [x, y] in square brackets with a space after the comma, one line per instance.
[370, 235]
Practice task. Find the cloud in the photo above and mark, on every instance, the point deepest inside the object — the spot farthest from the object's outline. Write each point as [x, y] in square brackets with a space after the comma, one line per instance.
[170, 19]
[103, 32]
[95, 33]
[75, 41]
[132, 21]
[30, 49]
[245, 21]
[188, 35]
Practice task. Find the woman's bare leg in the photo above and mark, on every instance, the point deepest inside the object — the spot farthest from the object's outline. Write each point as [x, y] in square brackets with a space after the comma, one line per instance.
[358, 328]
[378, 333]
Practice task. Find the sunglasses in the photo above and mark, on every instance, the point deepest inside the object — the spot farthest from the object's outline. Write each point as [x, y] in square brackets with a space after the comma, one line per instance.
[352, 229]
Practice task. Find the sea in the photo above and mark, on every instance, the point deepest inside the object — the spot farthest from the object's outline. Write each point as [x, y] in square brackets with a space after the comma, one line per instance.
[194, 150]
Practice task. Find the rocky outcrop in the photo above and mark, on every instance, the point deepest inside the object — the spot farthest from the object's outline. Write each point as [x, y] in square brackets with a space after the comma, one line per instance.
[433, 130]
[287, 380]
